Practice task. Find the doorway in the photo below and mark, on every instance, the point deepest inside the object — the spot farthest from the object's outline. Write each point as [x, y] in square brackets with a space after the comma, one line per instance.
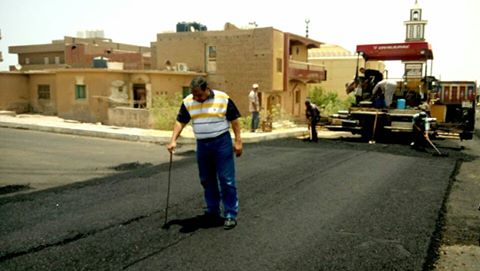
[139, 96]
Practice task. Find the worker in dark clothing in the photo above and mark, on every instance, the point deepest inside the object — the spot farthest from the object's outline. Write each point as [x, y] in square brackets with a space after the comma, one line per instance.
[421, 127]
[371, 79]
[313, 116]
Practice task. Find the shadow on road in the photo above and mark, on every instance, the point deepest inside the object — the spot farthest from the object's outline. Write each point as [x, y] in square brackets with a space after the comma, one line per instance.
[195, 223]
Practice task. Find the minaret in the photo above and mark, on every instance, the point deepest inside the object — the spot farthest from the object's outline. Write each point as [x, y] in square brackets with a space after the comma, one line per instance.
[415, 26]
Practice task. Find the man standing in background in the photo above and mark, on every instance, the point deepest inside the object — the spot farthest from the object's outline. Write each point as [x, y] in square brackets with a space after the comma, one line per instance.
[254, 107]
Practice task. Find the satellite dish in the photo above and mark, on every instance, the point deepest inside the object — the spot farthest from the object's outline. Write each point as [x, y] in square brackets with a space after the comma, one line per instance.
[18, 67]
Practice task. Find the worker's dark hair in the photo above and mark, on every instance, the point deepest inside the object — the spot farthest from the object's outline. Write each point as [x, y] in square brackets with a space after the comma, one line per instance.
[200, 82]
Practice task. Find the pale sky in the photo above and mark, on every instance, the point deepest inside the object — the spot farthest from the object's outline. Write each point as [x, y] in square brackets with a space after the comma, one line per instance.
[452, 28]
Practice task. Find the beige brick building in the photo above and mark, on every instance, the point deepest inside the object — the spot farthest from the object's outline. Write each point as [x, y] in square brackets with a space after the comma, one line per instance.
[235, 58]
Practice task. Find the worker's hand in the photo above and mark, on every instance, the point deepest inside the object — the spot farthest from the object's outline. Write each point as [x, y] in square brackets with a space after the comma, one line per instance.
[172, 146]
[238, 148]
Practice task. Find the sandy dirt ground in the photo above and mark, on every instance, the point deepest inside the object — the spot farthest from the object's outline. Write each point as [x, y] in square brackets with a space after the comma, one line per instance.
[460, 244]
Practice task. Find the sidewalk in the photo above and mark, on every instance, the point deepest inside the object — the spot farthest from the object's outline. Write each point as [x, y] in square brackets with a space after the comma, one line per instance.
[64, 126]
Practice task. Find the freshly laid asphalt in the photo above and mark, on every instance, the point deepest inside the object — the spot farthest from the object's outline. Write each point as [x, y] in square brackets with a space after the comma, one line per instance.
[304, 206]
[58, 125]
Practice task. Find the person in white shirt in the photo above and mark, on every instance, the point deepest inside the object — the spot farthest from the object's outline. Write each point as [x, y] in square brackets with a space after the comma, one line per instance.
[254, 107]
[385, 90]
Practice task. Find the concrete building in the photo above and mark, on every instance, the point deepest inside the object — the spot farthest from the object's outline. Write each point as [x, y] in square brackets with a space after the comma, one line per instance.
[70, 77]
[111, 97]
[236, 58]
[73, 52]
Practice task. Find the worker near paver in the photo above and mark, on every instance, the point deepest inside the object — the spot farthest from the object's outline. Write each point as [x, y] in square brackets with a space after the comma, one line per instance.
[421, 126]
[254, 107]
[371, 77]
[355, 86]
[382, 93]
[212, 112]
[313, 116]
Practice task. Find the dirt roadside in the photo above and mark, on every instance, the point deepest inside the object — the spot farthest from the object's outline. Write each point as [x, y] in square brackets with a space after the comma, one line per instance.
[460, 243]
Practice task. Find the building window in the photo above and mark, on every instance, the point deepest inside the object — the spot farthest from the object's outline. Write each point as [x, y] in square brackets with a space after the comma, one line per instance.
[43, 92]
[212, 53]
[80, 92]
[57, 60]
[279, 65]
[45, 60]
[297, 97]
[211, 58]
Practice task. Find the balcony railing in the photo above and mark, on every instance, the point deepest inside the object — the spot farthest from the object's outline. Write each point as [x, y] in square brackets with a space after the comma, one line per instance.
[306, 72]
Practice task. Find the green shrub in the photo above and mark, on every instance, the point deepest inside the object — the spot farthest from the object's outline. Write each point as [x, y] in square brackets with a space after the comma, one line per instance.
[278, 114]
[329, 102]
[164, 111]
[245, 123]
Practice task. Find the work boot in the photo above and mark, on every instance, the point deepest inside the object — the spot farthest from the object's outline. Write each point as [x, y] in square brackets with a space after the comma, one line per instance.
[230, 223]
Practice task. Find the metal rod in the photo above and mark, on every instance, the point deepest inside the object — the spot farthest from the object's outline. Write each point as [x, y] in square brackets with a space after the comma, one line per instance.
[168, 188]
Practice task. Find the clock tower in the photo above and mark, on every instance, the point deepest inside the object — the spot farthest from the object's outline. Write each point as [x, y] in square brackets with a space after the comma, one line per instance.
[415, 26]
[415, 32]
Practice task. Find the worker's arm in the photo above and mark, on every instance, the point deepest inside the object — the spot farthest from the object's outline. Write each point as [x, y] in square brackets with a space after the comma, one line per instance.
[237, 146]
[177, 130]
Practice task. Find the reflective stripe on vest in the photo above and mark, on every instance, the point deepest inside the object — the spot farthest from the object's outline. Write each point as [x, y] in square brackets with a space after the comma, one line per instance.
[208, 118]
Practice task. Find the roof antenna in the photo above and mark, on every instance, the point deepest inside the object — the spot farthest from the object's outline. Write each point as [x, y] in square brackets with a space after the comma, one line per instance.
[307, 21]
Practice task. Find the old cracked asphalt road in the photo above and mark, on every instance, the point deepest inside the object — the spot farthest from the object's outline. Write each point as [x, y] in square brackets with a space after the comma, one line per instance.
[328, 206]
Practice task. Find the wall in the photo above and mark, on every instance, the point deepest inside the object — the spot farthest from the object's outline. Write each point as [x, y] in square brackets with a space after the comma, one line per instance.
[278, 53]
[185, 47]
[158, 84]
[109, 97]
[129, 117]
[170, 83]
[98, 86]
[341, 70]
[14, 95]
[79, 53]
[43, 106]
[243, 57]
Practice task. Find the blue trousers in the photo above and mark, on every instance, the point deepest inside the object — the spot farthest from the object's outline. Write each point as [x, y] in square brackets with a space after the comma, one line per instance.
[255, 120]
[216, 167]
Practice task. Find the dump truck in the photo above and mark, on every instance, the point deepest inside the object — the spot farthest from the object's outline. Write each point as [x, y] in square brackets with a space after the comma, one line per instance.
[451, 103]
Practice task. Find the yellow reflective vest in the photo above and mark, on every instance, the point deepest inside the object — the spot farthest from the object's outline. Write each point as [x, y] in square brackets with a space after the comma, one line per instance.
[209, 118]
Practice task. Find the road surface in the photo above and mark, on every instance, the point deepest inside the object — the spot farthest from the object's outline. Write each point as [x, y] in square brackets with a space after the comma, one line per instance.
[329, 206]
